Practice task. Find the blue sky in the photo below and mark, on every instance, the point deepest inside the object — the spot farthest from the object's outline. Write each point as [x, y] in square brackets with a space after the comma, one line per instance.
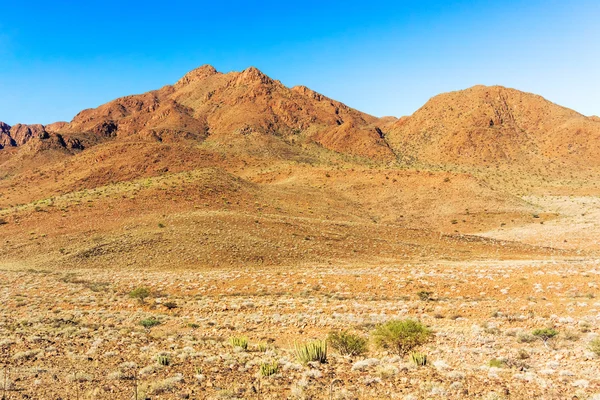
[382, 57]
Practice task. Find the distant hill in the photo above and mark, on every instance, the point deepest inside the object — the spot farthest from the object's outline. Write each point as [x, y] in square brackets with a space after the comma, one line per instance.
[495, 126]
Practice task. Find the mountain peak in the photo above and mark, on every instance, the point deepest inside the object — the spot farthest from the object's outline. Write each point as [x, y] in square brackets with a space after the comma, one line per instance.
[253, 75]
[197, 74]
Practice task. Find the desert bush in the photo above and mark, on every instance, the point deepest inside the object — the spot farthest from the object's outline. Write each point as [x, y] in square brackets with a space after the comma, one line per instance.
[79, 377]
[311, 351]
[165, 385]
[419, 359]
[571, 336]
[347, 343]
[545, 334]
[140, 293]
[239, 341]
[401, 336]
[494, 362]
[268, 369]
[523, 355]
[424, 295]
[149, 322]
[525, 338]
[595, 346]
[170, 305]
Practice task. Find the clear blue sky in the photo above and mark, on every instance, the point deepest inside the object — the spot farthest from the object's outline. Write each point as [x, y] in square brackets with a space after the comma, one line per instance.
[382, 57]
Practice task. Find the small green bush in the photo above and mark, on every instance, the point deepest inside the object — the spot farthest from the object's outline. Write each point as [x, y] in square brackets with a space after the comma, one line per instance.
[170, 305]
[424, 295]
[494, 362]
[347, 343]
[401, 336]
[544, 334]
[149, 322]
[311, 351]
[595, 346]
[239, 341]
[140, 293]
[525, 338]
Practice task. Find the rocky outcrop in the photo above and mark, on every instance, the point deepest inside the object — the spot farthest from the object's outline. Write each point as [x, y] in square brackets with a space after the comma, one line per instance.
[46, 136]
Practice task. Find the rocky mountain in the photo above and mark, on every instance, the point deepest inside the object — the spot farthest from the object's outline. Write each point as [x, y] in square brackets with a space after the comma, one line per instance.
[207, 103]
[479, 126]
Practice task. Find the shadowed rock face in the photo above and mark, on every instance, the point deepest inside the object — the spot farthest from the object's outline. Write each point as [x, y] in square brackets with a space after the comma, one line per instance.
[21, 134]
[5, 139]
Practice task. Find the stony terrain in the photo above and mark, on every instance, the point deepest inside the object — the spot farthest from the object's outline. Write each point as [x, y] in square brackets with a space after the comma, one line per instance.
[249, 209]
[69, 332]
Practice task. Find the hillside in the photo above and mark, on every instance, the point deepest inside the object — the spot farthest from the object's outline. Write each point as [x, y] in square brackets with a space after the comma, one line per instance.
[496, 126]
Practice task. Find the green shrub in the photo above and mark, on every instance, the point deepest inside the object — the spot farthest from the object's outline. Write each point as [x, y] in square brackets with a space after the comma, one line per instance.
[149, 322]
[140, 293]
[523, 355]
[239, 341]
[401, 336]
[525, 338]
[494, 362]
[424, 295]
[347, 343]
[595, 346]
[545, 333]
[419, 359]
[170, 305]
[268, 369]
[312, 351]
